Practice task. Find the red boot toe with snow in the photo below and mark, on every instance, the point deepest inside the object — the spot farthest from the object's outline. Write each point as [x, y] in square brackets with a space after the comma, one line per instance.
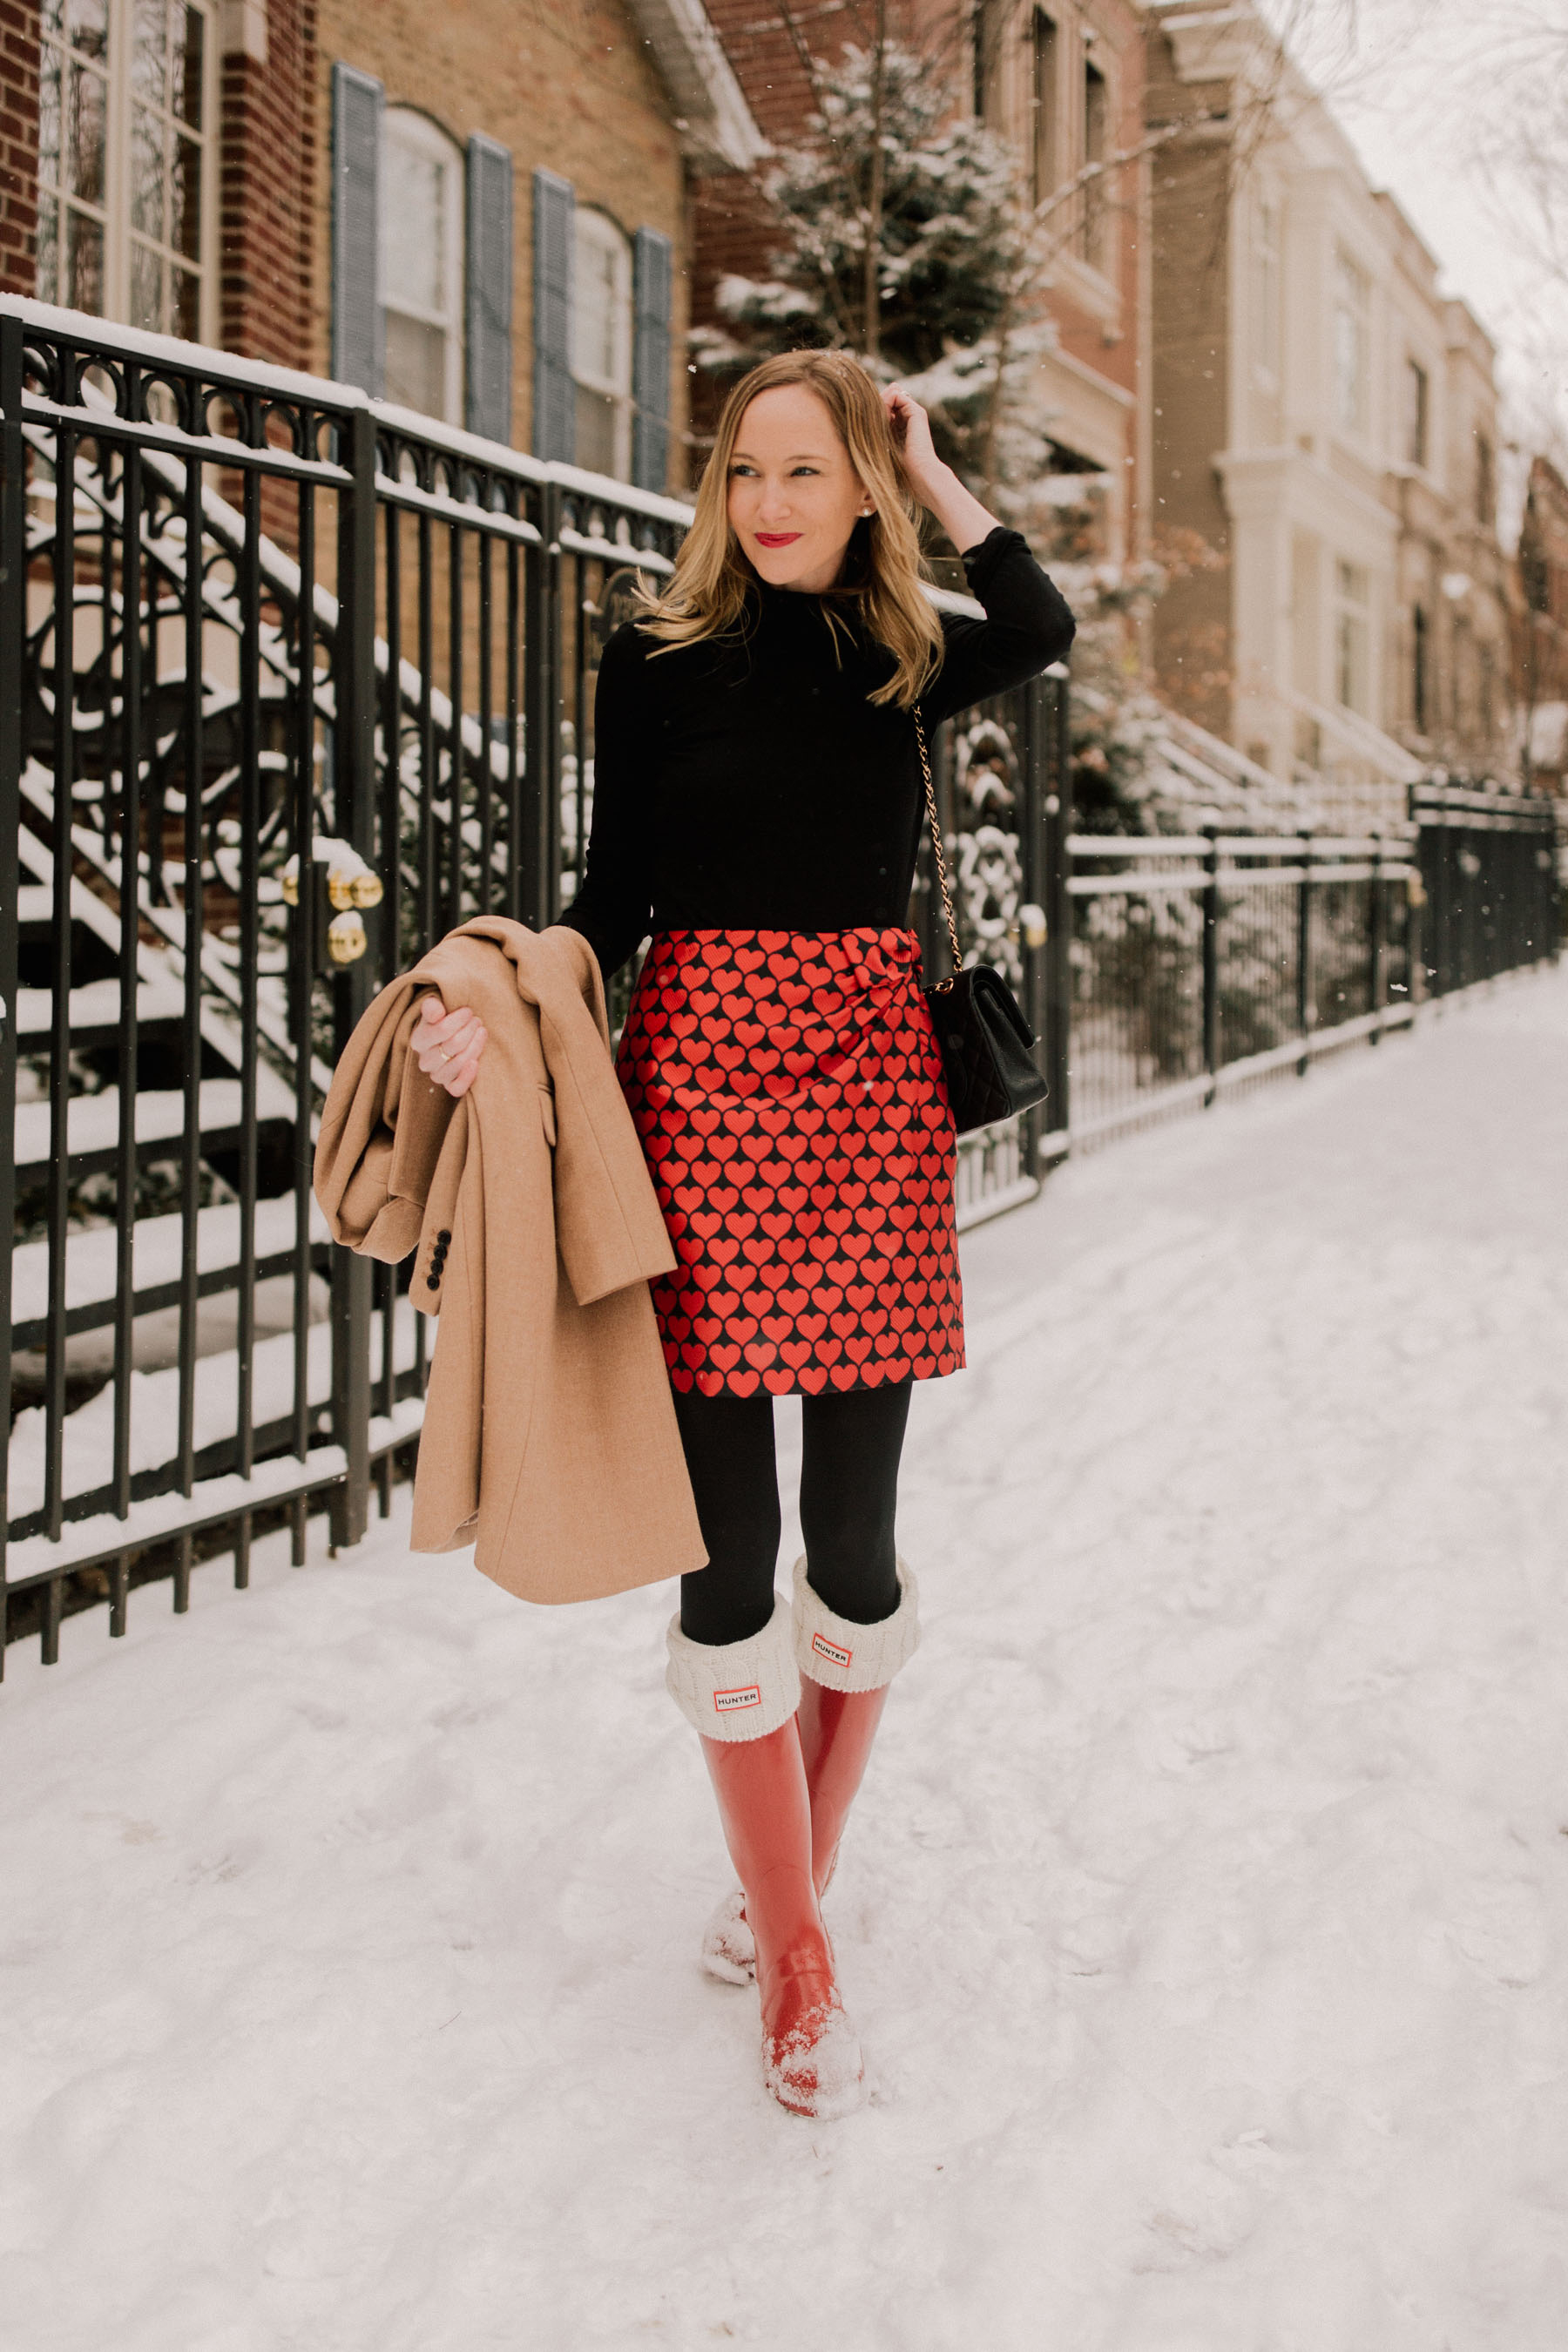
[741, 1698]
[811, 2058]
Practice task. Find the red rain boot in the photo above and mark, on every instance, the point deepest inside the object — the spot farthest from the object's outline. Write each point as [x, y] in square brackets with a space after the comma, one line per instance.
[811, 2059]
[837, 1728]
[837, 1731]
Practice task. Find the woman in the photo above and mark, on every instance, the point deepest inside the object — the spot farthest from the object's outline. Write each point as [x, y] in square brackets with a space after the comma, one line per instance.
[758, 804]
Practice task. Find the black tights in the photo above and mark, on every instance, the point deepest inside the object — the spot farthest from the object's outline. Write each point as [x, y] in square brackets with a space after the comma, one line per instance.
[848, 1490]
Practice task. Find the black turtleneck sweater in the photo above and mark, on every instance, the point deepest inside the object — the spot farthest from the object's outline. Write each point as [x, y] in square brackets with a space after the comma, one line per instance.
[748, 784]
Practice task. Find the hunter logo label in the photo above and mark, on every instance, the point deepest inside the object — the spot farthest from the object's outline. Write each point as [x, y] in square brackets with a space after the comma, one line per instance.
[747, 1695]
[831, 1652]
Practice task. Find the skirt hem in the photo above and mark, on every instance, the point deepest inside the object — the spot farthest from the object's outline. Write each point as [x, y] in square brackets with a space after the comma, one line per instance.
[905, 1377]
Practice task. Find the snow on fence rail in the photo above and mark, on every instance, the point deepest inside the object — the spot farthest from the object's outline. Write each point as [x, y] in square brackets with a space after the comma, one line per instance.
[297, 682]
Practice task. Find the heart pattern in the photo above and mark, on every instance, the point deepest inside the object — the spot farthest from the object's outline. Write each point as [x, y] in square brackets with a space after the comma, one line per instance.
[788, 1091]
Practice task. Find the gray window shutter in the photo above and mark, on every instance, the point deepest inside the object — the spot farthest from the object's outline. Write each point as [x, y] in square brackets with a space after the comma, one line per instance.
[488, 409]
[651, 258]
[359, 339]
[554, 395]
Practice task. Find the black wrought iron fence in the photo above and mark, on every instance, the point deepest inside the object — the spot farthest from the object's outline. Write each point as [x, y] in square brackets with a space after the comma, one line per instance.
[1490, 868]
[294, 683]
[295, 686]
[1202, 960]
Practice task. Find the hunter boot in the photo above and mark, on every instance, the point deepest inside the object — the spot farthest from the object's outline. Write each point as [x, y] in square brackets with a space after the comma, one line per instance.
[741, 1697]
[845, 1672]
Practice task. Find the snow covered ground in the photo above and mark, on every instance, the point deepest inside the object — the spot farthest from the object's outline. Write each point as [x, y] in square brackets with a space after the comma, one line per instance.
[1206, 1918]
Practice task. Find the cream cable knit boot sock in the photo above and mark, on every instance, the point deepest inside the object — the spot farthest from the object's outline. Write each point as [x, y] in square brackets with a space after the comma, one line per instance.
[844, 1656]
[735, 1690]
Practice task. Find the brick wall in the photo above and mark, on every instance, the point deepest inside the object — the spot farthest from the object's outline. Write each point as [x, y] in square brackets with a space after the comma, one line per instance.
[18, 144]
[1194, 644]
[767, 60]
[272, 183]
[571, 88]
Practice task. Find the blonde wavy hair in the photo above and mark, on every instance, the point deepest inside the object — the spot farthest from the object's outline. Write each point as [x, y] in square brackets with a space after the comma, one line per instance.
[881, 586]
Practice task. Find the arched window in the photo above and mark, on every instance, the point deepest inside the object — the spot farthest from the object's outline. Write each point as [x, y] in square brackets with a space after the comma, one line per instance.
[602, 344]
[127, 164]
[422, 265]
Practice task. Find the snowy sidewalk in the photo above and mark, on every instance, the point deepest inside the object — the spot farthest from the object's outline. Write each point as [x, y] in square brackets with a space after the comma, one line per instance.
[1206, 1918]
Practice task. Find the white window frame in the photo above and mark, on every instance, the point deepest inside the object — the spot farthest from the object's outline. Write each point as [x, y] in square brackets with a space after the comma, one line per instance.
[1351, 346]
[1352, 637]
[596, 228]
[410, 128]
[114, 215]
[1416, 411]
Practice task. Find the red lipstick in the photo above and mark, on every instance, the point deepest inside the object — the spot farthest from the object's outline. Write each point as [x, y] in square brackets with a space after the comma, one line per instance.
[775, 538]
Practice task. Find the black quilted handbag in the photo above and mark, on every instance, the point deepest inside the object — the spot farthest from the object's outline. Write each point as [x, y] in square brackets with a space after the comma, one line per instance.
[984, 1040]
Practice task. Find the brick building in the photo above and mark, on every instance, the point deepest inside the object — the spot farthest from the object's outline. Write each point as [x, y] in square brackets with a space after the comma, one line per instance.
[1065, 86]
[480, 209]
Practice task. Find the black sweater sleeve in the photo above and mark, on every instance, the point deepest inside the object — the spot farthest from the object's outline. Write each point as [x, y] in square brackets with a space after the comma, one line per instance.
[1027, 627]
[614, 906]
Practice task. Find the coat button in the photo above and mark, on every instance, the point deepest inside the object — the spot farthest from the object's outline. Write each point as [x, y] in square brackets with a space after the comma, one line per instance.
[443, 1237]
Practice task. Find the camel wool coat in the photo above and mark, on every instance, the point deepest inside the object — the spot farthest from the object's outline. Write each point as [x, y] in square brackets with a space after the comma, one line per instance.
[550, 1438]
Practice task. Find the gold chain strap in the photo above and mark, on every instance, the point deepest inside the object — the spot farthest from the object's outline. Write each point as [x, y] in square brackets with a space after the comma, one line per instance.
[943, 985]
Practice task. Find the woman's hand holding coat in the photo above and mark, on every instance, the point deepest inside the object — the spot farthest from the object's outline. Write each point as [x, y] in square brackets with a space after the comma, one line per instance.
[447, 1045]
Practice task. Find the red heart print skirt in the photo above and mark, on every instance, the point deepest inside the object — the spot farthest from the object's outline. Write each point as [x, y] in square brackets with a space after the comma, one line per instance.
[789, 1095]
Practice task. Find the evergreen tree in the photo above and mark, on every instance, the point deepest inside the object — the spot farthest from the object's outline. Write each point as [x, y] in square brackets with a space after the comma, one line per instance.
[949, 234]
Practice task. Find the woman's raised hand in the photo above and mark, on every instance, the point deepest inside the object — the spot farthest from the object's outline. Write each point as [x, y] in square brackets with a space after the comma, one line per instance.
[911, 431]
[447, 1045]
[937, 486]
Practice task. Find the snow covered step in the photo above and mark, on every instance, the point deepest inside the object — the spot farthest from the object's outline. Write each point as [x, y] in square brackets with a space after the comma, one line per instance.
[220, 983]
[96, 1006]
[37, 899]
[158, 1248]
[94, 1120]
[156, 1407]
[157, 1516]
